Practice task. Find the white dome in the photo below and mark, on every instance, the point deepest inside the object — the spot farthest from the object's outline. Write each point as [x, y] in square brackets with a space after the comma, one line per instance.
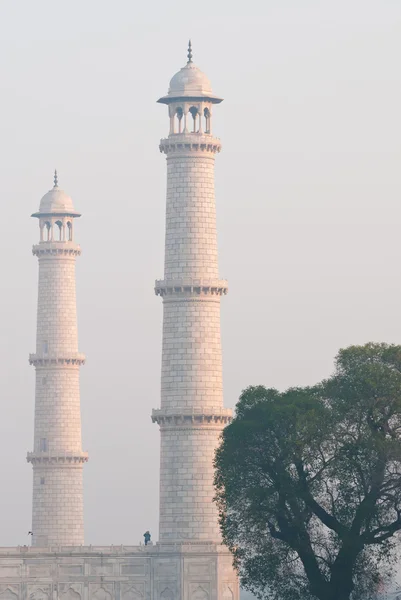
[56, 201]
[190, 81]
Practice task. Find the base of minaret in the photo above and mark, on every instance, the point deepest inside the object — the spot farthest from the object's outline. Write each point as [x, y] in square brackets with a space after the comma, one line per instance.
[57, 507]
[153, 572]
[189, 438]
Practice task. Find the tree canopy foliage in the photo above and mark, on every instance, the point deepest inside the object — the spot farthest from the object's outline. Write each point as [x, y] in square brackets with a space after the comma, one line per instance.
[308, 482]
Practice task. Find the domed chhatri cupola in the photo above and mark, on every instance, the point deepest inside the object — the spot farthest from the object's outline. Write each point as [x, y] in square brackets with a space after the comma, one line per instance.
[190, 99]
[56, 214]
[189, 81]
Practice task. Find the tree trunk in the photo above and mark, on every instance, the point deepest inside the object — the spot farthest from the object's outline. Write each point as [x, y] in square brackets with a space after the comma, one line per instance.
[341, 582]
[331, 593]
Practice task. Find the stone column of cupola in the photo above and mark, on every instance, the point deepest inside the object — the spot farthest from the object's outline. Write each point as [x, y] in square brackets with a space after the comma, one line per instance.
[57, 457]
[191, 415]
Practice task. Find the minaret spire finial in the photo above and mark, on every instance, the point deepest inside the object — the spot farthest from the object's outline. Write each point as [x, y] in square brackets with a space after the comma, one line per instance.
[189, 52]
[55, 178]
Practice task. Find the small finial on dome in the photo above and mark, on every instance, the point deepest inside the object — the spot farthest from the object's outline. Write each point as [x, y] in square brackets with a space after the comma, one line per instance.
[189, 52]
[55, 178]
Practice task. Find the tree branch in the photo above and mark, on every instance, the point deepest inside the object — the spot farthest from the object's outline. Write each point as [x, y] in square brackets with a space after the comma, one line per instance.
[367, 504]
[275, 533]
[329, 520]
[385, 532]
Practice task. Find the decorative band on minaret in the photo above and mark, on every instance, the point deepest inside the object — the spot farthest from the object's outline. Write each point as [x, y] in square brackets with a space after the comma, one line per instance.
[57, 457]
[191, 416]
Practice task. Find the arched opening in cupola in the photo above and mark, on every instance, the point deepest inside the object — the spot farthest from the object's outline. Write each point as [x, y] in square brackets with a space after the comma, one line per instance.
[193, 126]
[179, 113]
[59, 231]
[207, 115]
[69, 230]
[48, 231]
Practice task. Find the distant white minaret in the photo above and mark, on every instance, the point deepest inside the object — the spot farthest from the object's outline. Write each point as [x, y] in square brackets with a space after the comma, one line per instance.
[57, 457]
[192, 415]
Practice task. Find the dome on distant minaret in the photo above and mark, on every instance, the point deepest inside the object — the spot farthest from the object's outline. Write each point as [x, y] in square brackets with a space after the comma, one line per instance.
[189, 82]
[56, 201]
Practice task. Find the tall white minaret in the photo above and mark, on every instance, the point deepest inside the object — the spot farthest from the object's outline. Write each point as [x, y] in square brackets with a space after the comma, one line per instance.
[57, 457]
[192, 415]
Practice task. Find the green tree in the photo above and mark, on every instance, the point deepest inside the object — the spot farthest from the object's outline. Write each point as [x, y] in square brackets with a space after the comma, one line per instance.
[308, 482]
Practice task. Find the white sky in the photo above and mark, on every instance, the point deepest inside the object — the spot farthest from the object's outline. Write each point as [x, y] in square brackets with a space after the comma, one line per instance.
[308, 200]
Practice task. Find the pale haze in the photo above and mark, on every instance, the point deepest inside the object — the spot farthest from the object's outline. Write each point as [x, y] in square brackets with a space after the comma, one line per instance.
[308, 194]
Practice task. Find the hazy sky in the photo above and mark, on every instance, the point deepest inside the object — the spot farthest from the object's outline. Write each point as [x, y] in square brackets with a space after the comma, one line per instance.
[308, 199]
